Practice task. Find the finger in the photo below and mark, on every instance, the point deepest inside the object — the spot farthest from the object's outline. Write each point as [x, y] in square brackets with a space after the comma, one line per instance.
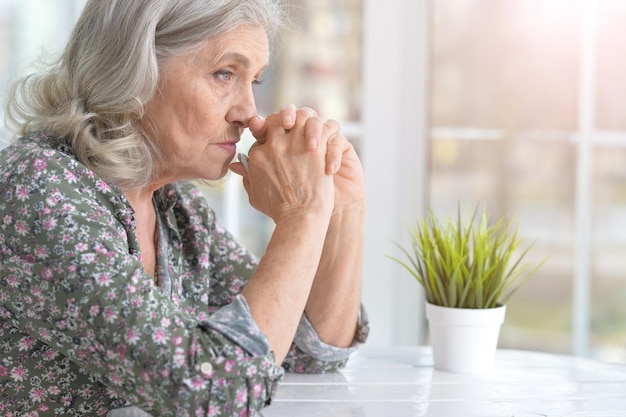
[335, 146]
[258, 128]
[334, 153]
[238, 168]
[287, 116]
[243, 158]
[313, 133]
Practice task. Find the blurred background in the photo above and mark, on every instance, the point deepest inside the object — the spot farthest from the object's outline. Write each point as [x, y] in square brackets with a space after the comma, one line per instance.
[515, 104]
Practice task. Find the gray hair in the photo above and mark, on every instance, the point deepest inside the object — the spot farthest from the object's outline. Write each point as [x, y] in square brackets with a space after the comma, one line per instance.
[93, 97]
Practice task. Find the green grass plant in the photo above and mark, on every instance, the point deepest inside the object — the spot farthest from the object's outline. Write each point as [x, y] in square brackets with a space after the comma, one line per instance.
[470, 265]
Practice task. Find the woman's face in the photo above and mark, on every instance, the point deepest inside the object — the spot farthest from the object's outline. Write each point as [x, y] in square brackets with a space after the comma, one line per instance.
[204, 102]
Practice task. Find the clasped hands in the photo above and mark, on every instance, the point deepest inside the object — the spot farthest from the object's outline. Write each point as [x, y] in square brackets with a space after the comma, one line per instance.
[299, 160]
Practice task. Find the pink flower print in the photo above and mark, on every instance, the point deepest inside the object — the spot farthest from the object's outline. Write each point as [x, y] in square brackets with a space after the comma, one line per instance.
[177, 340]
[115, 379]
[132, 337]
[50, 223]
[54, 390]
[21, 228]
[41, 252]
[25, 343]
[145, 376]
[121, 350]
[47, 273]
[251, 371]
[103, 186]
[179, 358]
[66, 400]
[54, 198]
[8, 219]
[104, 280]
[213, 411]
[21, 192]
[12, 281]
[3, 371]
[39, 164]
[37, 394]
[160, 336]
[94, 310]
[70, 177]
[198, 384]
[43, 408]
[45, 335]
[229, 366]
[241, 396]
[51, 354]
[110, 315]
[257, 389]
[18, 374]
[137, 302]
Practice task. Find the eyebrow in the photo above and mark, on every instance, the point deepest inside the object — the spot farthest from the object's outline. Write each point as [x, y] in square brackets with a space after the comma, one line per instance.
[237, 57]
[242, 59]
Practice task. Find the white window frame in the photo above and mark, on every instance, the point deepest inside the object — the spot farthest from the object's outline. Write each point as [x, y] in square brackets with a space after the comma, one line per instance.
[394, 152]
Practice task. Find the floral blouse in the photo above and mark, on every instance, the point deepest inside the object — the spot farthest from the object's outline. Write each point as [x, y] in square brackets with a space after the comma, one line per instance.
[85, 332]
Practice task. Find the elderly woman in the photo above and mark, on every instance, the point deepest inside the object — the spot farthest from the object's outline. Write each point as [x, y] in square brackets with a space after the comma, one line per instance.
[120, 293]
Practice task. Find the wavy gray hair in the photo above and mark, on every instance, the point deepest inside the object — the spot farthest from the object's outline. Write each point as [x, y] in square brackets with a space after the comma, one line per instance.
[93, 96]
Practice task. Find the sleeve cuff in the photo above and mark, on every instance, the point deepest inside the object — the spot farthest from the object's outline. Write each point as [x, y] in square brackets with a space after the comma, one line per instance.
[310, 343]
[236, 323]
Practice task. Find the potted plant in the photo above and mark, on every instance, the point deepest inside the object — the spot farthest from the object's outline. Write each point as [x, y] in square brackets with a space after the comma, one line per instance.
[468, 272]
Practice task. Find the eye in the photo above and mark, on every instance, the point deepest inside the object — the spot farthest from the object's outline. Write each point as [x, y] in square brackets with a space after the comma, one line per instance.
[224, 75]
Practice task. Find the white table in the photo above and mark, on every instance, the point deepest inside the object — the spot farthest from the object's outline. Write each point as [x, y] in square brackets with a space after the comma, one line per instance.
[401, 382]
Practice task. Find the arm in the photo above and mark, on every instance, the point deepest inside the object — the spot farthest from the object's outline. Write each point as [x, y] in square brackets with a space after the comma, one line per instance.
[287, 182]
[333, 305]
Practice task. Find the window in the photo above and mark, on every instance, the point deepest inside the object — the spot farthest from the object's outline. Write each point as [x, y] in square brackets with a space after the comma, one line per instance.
[523, 93]
[514, 103]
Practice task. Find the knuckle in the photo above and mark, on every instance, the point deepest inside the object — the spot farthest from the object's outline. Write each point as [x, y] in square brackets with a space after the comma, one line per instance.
[307, 111]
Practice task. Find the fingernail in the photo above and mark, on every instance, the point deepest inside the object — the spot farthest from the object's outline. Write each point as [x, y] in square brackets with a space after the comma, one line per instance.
[332, 168]
[287, 120]
[312, 143]
[243, 158]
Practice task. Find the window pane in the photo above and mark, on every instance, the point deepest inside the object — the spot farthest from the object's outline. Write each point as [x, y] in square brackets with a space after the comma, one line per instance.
[320, 58]
[611, 68]
[608, 289]
[504, 64]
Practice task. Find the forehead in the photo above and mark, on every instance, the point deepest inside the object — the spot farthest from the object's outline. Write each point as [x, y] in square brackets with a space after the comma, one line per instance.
[248, 45]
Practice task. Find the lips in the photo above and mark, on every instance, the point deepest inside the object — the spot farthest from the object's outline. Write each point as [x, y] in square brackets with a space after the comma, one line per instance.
[230, 147]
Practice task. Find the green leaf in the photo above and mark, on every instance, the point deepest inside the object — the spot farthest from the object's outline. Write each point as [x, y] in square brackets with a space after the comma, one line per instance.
[467, 265]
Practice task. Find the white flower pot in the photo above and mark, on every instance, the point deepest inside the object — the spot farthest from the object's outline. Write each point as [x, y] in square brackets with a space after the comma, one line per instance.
[464, 340]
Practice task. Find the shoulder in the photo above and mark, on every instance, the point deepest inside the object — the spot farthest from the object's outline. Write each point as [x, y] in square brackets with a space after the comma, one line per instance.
[38, 166]
[40, 156]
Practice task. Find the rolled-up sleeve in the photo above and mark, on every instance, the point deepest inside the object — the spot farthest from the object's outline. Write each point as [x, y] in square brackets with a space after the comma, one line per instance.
[309, 354]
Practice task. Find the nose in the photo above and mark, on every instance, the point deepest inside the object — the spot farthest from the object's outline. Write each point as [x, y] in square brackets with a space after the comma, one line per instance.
[243, 108]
